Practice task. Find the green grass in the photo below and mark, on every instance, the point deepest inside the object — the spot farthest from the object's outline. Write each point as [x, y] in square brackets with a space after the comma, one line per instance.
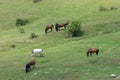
[65, 58]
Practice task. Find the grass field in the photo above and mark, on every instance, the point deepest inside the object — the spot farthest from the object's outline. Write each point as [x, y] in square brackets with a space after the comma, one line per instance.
[65, 58]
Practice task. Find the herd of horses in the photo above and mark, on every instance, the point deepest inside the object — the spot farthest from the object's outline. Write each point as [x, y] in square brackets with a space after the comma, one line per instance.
[40, 52]
[57, 26]
[34, 52]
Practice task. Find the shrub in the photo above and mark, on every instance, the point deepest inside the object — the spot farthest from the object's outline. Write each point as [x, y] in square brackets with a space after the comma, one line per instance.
[20, 22]
[35, 1]
[22, 30]
[12, 46]
[113, 8]
[74, 30]
[33, 35]
[101, 8]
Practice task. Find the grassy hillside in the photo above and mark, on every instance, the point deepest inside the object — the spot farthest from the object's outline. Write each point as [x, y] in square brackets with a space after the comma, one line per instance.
[65, 58]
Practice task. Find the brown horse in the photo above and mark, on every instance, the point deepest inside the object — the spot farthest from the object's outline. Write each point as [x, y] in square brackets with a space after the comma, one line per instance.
[49, 27]
[28, 65]
[92, 50]
[58, 26]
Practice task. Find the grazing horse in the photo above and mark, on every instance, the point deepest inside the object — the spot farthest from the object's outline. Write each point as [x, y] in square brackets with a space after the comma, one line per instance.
[92, 50]
[49, 27]
[28, 65]
[35, 51]
[58, 26]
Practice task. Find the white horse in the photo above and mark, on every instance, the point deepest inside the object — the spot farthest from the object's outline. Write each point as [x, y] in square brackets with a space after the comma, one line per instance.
[35, 51]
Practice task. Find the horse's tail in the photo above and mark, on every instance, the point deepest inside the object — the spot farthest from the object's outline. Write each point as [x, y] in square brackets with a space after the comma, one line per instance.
[45, 30]
[97, 51]
[87, 53]
[56, 26]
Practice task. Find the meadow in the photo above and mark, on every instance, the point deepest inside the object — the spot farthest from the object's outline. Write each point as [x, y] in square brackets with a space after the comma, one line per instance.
[65, 58]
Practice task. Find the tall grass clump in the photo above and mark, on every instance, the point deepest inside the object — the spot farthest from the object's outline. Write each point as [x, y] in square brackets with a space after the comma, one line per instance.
[21, 22]
[33, 35]
[102, 8]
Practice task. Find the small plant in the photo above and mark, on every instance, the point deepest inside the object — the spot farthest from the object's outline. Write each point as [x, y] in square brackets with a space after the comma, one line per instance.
[113, 8]
[101, 8]
[33, 35]
[12, 46]
[22, 30]
[35, 1]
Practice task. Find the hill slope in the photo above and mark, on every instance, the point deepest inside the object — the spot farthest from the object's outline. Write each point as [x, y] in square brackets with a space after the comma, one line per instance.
[65, 58]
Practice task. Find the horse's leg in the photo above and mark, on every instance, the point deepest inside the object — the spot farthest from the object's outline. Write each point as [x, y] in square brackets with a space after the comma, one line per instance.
[90, 54]
[30, 68]
[97, 53]
[64, 27]
[26, 70]
[87, 53]
[45, 30]
[51, 29]
[41, 55]
[33, 66]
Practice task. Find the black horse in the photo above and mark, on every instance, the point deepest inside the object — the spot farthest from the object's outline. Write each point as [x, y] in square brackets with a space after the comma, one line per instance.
[58, 26]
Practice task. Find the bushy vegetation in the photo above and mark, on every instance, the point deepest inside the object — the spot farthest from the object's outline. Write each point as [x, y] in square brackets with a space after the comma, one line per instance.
[113, 8]
[102, 8]
[35, 1]
[74, 29]
[21, 22]
[33, 35]
[21, 30]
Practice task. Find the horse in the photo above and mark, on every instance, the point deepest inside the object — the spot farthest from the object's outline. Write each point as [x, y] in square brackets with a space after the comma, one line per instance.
[58, 26]
[35, 51]
[92, 50]
[28, 65]
[49, 27]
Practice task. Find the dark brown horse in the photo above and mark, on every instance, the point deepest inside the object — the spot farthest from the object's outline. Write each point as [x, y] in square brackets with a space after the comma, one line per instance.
[58, 26]
[28, 65]
[49, 27]
[92, 50]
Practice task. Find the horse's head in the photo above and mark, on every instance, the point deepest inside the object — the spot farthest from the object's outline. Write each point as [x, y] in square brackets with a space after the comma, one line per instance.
[67, 22]
[52, 26]
[32, 62]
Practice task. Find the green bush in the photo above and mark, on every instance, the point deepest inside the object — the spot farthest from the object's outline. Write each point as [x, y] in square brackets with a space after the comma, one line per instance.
[20, 22]
[13, 46]
[74, 29]
[113, 8]
[35, 1]
[22, 30]
[101, 8]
